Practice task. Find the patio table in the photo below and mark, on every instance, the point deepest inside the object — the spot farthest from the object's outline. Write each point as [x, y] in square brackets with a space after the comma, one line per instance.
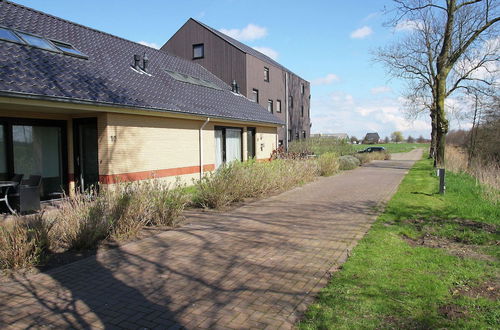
[7, 185]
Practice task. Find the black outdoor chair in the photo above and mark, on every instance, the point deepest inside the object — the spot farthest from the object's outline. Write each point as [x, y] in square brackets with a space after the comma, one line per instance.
[26, 198]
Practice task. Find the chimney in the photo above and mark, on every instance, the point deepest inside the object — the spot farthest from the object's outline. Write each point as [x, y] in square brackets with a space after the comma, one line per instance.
[137, 59]
[145, 61]
[234, 87]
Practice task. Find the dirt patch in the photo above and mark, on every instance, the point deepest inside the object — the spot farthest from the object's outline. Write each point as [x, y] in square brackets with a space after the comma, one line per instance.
[463, 223]
[489, 289]
[452, 311]
[452, 247]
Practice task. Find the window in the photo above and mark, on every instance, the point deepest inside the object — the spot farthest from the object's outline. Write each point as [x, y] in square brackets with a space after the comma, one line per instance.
[278, 105]
[192, 80]
[304, 134]
[291, 101]
[266, 74]
[9, 35]
[251, 142]
[280, 143]
[227, 145]
[297, 135]
[35, 147]
[3, 155]
[289, 135]
[198, 51]
[68, 49]
[270, 106]
[37, 41]
[255, 95]
[302, 111]
[302, 88]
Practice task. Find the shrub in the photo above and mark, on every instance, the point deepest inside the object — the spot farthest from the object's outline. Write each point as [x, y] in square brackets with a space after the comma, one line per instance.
[23, 243]
[328, 164]
[321, 145]
[236, 181]
[80, 222]
[348, 162]
[367, 157]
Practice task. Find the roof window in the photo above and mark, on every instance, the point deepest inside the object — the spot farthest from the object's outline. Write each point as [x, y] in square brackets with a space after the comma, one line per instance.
[67, 48]
[37, 41]
[9, 35]
[192, 80]
[24, 38]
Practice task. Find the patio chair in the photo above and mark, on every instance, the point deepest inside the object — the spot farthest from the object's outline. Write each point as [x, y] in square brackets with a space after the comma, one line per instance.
[27, 195]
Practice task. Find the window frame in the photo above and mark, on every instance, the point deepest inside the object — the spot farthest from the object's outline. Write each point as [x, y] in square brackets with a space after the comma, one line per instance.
[223, 129]
[270, 103]
[255, 92]
[266, 74]
[302, 88]
[54, 50]
[278, 109]
[81, 55]
[8, 122]
[202, 51]
[302, 111]
[20, 40]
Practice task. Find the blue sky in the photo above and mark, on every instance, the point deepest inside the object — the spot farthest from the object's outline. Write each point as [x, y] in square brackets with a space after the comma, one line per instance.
[327, 42]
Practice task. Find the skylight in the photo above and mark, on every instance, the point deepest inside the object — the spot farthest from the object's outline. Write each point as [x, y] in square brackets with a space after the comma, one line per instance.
[68, 49]
[9, 35]
[192, 80]
[37, 41]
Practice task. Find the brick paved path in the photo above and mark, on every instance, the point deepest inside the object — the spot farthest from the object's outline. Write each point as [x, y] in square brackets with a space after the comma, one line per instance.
[258, 266]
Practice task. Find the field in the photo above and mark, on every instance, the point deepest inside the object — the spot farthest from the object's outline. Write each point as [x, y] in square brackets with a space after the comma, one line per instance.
[430, 261]
[394, 147]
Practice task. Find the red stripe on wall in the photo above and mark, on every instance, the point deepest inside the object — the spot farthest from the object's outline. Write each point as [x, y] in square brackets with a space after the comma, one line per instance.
[136, 176]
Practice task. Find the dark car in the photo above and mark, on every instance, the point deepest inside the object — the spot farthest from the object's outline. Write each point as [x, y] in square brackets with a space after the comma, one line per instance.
[372, 149]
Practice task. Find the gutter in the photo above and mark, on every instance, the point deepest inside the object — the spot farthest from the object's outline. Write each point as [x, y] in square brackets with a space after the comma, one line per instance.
[287, 138]
[201, 146]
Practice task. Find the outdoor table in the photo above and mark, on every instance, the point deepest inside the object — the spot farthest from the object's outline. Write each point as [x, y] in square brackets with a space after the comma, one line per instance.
[7, 185]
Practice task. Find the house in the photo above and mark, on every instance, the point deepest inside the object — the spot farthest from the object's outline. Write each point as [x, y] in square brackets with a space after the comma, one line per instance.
[371, 138]
[80, 106]
[254, 74]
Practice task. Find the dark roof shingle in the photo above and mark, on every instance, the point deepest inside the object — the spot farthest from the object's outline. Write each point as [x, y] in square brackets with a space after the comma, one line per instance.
[106, 77]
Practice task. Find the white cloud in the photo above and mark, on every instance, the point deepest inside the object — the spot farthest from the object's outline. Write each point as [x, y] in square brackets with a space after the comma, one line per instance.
[408, 25]
[149, 44]
[371, 16]
[362, 32]
[248, 33]
[341, 112]
[267, 51]
[326, 80]
[380, 90]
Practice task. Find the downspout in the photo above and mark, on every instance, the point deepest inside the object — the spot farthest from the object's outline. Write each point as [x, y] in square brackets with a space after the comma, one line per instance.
[201, 146]
[286, 111]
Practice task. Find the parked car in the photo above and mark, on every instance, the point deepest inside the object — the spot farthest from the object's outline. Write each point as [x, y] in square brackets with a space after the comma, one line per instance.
[372, 149]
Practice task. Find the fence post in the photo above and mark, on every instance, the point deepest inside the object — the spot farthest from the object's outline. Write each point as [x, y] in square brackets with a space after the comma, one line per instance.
[442, 185]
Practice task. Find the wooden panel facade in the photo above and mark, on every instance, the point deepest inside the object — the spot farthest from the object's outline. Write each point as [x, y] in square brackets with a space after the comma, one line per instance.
[220, 57]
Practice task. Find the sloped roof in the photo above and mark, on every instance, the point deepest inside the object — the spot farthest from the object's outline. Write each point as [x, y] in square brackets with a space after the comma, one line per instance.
[106, 77]
[244, 48]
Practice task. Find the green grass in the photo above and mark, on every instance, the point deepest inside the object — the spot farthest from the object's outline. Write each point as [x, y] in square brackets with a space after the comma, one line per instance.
[394, 147]
[387, 283]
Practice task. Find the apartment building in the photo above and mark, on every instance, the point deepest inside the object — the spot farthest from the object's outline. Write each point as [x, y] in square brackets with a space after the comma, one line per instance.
[249, 72]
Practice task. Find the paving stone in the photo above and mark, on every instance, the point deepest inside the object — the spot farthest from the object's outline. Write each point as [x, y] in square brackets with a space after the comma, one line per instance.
[257, 266]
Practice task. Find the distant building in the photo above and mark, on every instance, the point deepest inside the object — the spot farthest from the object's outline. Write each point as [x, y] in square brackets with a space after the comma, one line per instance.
[371, 138]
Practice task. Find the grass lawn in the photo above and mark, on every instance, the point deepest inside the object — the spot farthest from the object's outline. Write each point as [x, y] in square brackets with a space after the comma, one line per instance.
[429, 261]
[394, 147]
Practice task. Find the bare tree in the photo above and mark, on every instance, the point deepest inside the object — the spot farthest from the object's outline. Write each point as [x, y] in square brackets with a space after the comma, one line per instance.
[451, 43]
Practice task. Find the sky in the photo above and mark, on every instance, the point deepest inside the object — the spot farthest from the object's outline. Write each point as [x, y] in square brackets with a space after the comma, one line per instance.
[330, 43]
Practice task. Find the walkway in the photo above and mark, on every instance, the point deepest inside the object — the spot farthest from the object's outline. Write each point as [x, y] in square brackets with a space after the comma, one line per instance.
[258, 266]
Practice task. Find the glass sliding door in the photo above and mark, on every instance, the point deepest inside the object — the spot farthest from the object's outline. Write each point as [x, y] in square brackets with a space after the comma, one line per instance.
[233, 144]
[37, 150]
[4, 175]
[227, 145]
[219, 148]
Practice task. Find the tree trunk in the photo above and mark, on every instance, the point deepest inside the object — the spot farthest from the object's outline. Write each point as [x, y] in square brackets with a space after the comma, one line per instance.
[432, 149]
[441, 121]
